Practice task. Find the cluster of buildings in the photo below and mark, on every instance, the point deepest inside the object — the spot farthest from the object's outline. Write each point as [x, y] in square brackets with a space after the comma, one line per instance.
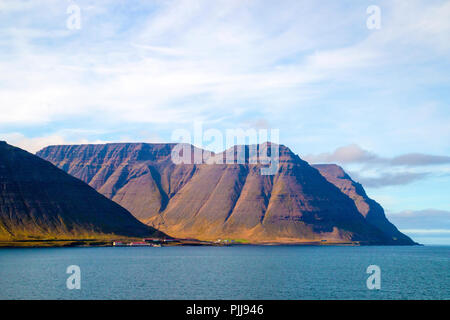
[148, 242]
[224, 241]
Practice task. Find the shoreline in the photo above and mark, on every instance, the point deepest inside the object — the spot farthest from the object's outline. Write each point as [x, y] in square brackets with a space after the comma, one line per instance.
[98, 243]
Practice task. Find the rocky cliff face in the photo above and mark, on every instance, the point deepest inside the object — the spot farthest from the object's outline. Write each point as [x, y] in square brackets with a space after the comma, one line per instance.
[211, 201]
[370, 209]
[40, 201]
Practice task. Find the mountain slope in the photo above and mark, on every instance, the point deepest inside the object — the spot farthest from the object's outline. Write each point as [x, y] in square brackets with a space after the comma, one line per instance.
[40, 201]
[211, 201]
[370, 209]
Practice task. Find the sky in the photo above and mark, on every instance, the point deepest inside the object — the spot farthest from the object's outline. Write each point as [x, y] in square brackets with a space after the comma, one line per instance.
[374, 100]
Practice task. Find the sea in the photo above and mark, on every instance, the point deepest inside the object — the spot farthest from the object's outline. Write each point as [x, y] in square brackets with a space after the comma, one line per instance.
[229, 272]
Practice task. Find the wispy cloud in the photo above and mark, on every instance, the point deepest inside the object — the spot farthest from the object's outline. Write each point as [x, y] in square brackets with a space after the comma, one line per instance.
[419, 159]
[342, 155]
[178, 60]
[375, 171]
[35, 144]
[428, 224]
[389, 179]
[355, 154]
[427, 231]
[428, 219]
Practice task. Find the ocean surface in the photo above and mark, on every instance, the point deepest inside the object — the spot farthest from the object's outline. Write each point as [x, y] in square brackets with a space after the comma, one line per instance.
[237, 272]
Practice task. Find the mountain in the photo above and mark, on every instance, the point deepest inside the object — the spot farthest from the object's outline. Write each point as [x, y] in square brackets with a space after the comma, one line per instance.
[226, 201]
[370, 209]
[40, 201]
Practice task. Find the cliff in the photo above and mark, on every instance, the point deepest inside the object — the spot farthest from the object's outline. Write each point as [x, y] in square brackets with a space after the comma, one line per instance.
[227, 201]
[40, 201]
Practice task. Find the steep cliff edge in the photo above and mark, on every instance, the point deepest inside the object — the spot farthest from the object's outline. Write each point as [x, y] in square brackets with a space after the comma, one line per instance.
[40, 201]
[370, 209]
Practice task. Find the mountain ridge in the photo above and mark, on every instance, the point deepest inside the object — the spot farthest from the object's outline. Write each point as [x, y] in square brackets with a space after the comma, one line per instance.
[211, 201]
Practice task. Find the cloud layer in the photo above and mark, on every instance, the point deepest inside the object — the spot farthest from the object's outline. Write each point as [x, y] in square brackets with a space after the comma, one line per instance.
[375, 171]
[431, 225]
[355, 154]
[389, 179]
[172, 62]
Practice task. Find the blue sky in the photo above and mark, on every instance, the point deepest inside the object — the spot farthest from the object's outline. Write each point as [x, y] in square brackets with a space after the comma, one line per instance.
[375, 101]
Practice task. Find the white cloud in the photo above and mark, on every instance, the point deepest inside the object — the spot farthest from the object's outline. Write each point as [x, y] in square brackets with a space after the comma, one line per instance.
[13, 5]
[426, 231]
[31, 144]
[375, 171]
[346, 154]
[192, 56]
[35, 144]
[428, 219]
[355, 154]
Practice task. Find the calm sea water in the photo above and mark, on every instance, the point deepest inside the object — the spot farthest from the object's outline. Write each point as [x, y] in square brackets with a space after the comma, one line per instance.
[240, 272]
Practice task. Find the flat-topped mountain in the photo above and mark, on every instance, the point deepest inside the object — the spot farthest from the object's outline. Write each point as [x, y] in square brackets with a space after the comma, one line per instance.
[40, 201]
[226, 201]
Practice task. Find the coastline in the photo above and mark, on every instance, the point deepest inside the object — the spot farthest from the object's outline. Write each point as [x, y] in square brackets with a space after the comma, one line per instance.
[91, 243]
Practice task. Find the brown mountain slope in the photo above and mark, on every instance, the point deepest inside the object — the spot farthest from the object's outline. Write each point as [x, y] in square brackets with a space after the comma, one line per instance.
[40, 201]
[207, 201]
[370, 209]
